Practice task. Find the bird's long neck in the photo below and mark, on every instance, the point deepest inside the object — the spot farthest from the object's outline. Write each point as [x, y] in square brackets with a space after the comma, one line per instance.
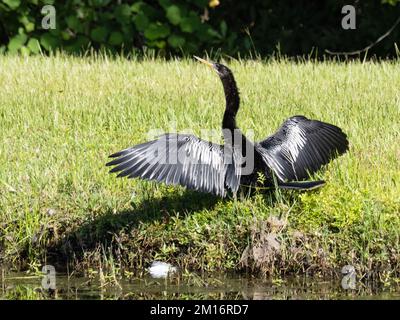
[232, 102]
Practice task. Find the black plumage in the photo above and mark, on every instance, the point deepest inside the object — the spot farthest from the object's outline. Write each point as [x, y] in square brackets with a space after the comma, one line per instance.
[299, 148]
[180, 159]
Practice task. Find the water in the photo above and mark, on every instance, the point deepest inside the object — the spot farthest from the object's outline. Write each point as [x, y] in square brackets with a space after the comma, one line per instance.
[21, 286]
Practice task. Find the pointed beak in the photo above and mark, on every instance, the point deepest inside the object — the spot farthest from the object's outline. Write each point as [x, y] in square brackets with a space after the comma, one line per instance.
[211, 65]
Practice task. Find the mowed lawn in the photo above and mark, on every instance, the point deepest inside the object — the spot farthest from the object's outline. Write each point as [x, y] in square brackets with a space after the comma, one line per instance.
[60, 118]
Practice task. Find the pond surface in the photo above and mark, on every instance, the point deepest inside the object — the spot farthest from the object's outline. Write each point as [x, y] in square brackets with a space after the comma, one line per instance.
[21, 286]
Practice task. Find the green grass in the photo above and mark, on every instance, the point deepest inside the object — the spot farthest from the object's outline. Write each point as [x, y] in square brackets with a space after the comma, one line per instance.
[62, 116]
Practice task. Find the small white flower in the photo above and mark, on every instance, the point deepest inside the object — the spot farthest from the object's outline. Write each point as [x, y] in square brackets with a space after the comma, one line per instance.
[160, 269]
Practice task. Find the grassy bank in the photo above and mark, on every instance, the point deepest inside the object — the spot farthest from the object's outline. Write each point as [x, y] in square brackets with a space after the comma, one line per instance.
[61, 117]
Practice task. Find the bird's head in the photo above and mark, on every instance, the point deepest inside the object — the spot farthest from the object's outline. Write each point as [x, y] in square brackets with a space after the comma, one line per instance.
[220, 69]
[230, 89]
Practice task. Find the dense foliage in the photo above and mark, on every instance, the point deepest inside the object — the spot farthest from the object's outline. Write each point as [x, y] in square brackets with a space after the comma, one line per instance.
[189, 26]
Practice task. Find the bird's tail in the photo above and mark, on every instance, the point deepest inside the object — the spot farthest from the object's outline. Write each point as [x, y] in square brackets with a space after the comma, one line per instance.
[301, 185]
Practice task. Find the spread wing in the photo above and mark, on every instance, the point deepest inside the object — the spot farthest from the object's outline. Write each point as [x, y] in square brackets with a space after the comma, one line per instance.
[181, 159]
[301, 147]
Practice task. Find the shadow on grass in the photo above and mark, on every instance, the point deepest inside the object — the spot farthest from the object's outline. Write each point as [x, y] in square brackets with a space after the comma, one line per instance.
[100, 230]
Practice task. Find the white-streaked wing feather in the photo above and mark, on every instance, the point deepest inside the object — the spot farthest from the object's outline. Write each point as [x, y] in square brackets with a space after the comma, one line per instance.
[301, 147]
[180, 159]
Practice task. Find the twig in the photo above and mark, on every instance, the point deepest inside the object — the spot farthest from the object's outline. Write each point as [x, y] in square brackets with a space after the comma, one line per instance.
[370, 46]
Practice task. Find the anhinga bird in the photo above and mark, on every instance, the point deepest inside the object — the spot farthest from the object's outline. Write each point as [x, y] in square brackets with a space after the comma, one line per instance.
[299, 148]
